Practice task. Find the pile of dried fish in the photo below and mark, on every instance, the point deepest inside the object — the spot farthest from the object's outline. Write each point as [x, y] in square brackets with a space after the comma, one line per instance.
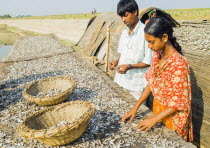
[105, 128]
[32, 47]
[194, 36]
[49, 93]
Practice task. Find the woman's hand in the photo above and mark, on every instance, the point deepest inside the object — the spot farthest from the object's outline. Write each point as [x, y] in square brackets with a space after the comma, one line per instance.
[131, 114]
[122, 69]
[113, 64]
[147, 124]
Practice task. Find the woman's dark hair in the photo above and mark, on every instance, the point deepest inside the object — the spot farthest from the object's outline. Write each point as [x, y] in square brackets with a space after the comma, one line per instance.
[127, 6]
[158, 26]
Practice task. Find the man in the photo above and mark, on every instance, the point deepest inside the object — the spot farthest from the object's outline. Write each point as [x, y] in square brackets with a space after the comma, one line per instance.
[93, 11]
[135, 56]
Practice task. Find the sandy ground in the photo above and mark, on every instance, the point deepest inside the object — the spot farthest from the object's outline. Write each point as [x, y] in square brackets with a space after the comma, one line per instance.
[69, 29]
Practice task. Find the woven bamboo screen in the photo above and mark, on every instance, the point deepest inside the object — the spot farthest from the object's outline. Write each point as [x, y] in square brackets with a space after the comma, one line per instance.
[200, 80]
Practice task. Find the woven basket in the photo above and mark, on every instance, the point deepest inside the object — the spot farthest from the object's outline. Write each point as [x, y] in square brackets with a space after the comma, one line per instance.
[44, 125]
[64, 84]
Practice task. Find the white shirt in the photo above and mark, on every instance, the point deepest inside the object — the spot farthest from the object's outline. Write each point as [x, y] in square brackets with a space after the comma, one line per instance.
[133, 49]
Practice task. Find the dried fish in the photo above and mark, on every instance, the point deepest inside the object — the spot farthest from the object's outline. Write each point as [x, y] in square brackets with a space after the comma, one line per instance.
[105, 128]
[49, 93]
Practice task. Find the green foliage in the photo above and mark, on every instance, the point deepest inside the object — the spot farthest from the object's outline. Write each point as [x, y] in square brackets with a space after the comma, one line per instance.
[65, 16]
[3, 26]
[178, 14]
[190, 14]
[8, 37]
[5, 16]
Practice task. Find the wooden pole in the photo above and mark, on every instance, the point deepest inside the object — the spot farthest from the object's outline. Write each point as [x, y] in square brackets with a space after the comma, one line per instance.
[107, 48]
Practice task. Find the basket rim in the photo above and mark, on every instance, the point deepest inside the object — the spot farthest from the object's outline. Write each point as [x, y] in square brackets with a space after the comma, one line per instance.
[27, 132]
[45, 98]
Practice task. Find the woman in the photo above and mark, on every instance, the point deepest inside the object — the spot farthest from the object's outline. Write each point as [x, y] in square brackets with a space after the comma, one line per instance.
[169, 81]
[151, 14]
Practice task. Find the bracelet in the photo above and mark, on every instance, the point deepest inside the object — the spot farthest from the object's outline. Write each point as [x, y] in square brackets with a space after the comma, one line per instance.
[130, 67]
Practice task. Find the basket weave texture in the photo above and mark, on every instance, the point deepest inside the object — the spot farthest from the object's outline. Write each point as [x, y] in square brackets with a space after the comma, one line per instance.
[45, 126]
[64, 84]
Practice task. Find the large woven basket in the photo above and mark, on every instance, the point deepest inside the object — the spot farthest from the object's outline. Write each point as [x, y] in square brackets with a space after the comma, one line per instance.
[64, 84]
[45, 125]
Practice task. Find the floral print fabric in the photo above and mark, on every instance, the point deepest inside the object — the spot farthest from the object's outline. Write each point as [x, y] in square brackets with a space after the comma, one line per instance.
[170, 85]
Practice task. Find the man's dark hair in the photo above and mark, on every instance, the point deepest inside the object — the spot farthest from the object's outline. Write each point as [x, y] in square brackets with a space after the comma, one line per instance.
[127, 6]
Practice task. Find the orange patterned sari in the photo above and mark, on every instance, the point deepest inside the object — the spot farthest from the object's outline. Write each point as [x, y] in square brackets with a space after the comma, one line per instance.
[170, 85]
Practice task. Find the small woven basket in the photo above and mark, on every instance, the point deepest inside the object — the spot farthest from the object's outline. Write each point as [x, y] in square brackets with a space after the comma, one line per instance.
[45, 125]
[64, 84]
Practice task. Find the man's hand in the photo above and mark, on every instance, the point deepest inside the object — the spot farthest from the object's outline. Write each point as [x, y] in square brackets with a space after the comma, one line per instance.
[113, 64]
[147, 124]
[131, 114]
[122, 69]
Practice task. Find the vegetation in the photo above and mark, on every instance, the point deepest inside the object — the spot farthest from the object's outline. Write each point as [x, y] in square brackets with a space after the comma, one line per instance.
[22, 32]
[65, 16]
[190, 14]
[5, 16]
[178, 14]
[7, 37]
[23, 16]
[3, 27]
